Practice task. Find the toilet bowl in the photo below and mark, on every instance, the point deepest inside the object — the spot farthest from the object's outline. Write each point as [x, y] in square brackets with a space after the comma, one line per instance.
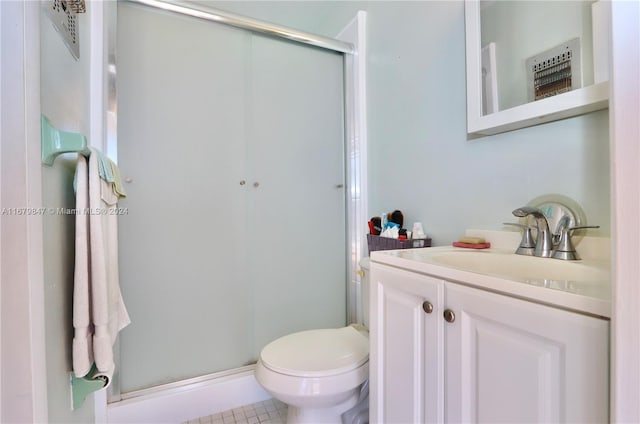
[317, 373]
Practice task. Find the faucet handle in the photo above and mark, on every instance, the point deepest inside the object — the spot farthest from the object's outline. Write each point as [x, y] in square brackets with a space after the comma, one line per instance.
[581, 227]
[527, 244]
[565, 249]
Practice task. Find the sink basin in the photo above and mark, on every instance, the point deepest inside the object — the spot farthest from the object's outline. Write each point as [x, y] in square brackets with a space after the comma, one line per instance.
[583, 285]
[544, 271]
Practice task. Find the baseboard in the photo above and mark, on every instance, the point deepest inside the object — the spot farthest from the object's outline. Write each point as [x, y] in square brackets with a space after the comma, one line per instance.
[179, 403]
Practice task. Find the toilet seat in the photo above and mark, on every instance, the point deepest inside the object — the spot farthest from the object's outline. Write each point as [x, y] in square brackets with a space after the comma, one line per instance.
[317, 353]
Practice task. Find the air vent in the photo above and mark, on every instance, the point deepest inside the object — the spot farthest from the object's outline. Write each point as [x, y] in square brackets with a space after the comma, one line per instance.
[554, 71]
[65, 22]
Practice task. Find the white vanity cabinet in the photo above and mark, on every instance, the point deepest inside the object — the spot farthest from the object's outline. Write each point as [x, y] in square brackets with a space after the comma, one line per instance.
[480, 356]
[511, 360]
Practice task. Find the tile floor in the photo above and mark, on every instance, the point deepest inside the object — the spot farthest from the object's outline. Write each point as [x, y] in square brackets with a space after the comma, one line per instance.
[270, 411]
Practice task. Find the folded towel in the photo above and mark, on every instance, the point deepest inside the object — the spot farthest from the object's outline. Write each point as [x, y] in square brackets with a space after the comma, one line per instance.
[82, 349]
[108, 171]
[117, 180]
[104, 166]
[98, 309]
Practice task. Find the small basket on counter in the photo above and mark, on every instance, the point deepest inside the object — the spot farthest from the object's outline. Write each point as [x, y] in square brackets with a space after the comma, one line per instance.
[385, 243]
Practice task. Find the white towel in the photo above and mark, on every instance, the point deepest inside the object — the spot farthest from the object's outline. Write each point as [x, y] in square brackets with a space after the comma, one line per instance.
[99, 312]
[82, 344]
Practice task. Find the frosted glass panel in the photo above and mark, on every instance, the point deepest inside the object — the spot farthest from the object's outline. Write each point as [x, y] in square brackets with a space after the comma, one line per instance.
[181, 140]
[233, 146]
[298, 211]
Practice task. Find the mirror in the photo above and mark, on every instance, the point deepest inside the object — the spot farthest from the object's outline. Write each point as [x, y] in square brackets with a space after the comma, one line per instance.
[531, 62]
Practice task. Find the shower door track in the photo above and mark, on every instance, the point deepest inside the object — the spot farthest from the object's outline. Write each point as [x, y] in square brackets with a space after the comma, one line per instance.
[255, 25]
[190, 383]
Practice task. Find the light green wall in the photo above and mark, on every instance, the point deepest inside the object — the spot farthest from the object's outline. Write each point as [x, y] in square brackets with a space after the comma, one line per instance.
[64, 100]
[420, 159]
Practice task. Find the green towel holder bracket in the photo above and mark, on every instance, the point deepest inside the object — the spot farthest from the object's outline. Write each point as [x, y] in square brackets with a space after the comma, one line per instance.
[56, 142]
[84, 386]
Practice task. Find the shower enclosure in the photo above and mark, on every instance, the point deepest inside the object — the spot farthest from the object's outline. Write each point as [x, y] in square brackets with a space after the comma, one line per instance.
[233, 233]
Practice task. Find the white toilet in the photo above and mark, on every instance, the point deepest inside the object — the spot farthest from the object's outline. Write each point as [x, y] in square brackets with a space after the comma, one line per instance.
[318, 373]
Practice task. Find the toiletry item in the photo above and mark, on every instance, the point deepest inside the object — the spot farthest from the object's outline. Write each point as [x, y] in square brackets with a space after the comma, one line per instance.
[390, 232]
[471, 245]
[397, 217]
[418, 231]
[472, 240]
[372, 228]
[377, 225]
[390, 224]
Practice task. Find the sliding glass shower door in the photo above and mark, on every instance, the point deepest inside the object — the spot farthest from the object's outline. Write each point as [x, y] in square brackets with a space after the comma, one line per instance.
[233, 148]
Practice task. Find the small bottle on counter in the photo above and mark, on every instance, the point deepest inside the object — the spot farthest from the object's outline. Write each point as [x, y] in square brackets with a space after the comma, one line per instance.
[417, 232]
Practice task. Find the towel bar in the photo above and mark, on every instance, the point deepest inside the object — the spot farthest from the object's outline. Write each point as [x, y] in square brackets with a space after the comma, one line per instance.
[56, 142]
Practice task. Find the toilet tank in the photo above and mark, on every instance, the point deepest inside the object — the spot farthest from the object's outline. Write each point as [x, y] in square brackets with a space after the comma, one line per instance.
[364, 290]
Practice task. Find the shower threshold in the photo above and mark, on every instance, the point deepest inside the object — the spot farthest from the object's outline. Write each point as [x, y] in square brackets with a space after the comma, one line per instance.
[191, 383]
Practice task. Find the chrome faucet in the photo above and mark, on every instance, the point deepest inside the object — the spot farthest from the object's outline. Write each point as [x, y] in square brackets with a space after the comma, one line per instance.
[564, 248]
[544, 243]
[548, 244]
[563, 225]
[527, 244]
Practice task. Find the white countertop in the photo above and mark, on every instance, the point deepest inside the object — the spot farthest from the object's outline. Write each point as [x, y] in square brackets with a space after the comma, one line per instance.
[589, 292]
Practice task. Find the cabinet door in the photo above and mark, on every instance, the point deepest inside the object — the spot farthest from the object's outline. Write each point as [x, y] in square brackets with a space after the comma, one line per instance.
[508, 360]
[406, 347]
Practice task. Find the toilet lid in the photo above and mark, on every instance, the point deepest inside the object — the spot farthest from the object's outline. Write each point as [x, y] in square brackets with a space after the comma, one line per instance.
[317, 353]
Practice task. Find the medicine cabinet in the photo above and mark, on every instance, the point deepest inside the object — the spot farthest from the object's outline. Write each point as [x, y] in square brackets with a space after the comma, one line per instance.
[507, 49]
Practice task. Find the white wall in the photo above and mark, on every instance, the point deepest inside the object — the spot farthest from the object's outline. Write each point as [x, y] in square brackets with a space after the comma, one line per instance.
[23, 383]
[625, 152]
